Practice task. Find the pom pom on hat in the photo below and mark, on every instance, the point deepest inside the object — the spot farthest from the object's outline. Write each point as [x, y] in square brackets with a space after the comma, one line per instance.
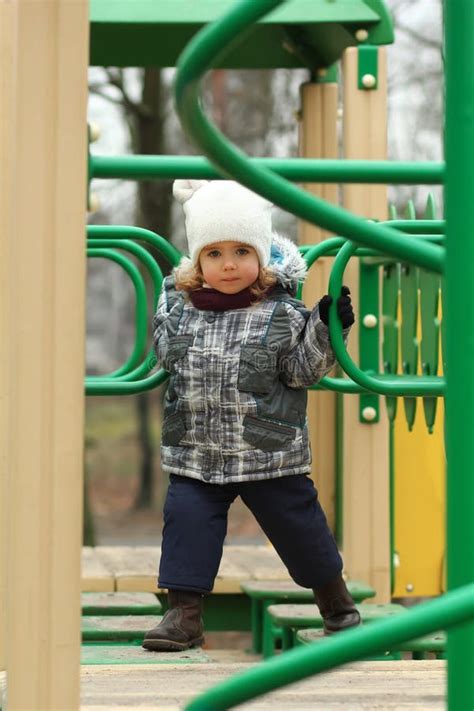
[223, 211]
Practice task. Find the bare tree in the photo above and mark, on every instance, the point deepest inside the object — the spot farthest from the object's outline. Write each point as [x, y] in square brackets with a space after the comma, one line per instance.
[416, 91]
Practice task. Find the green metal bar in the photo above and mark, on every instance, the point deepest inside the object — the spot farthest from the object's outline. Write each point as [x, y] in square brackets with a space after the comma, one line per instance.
[369, 337]
[140, 305]
[339, 466]
[203, 51]
[418, 226]
[451, 609]
[458, 304]
[382, 384]
[145, 167]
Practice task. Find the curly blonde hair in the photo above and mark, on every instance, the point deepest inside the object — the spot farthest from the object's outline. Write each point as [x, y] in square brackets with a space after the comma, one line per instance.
[188, 277]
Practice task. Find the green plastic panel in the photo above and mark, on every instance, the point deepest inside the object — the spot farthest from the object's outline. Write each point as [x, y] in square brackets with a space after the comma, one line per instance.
[409, 340]
[132, 33]
[390, 291]
[367, 64]
[430, 286]
[369, 337]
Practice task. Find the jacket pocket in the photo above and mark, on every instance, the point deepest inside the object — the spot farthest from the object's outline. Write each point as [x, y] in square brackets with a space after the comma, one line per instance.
[178, 346]
[257, 368]
[173, 429]
[267, 436]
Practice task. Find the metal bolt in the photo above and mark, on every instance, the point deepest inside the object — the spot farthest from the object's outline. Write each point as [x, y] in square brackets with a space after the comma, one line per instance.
[370, 321]
[94, 131]
[361, 35]
[369, 414]
[94, 202]
[369, 81]
[409, 587]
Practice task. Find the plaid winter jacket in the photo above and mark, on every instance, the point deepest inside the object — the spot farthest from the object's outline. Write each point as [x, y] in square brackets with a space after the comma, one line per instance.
[235, 407]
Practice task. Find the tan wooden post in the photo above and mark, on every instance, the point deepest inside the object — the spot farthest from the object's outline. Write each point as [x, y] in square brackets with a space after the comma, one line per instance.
[7, 33]
[318, 139]
[366, 446]
[48, 197]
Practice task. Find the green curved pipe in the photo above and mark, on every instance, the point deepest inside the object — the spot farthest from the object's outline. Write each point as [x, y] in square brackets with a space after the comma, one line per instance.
[122, 387]
[126, 386]
[169, 252]
[202, 52]
[127, 372]
[130, 370]
[140, 306]
[382, 384]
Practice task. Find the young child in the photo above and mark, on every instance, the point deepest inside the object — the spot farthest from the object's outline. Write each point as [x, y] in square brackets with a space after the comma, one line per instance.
[241, 351]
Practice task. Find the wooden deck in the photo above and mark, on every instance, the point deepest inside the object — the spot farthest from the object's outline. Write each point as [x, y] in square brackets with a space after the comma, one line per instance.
[364, 686]
[134, 569]
[169, 685]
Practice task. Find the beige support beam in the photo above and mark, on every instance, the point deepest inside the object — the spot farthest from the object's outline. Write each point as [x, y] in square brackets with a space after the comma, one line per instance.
[366, 446]
[318, 139]
[7, 133]
[48, 197]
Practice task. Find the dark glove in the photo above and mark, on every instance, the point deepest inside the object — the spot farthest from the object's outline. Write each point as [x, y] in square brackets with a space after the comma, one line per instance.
[344, 308]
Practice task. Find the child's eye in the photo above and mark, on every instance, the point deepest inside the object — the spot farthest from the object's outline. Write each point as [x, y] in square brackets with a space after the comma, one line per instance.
[243, 250]
[215, 252]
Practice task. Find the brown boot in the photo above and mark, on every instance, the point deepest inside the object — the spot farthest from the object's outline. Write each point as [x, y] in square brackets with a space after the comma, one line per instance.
[336, 606]
[181, 626]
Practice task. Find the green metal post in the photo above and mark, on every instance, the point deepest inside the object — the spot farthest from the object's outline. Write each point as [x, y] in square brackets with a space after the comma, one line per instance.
[458, 336]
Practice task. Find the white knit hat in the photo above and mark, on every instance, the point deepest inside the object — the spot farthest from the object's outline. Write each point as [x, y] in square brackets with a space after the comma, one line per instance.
[224, 211]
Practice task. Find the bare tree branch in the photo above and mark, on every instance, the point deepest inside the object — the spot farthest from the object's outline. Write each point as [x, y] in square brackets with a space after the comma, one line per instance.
[96, 90]
[418, 37]
[116, 78]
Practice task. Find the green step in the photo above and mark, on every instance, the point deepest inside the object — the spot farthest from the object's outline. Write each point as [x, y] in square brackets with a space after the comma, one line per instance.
[309, 615]
[114, 628]
[281, 623]
[264, 593]
[435, 642]
[135, 654]
[288, 590]
[120, 603]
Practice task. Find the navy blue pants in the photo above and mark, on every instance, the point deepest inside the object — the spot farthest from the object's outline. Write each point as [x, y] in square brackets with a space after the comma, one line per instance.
[287, 509]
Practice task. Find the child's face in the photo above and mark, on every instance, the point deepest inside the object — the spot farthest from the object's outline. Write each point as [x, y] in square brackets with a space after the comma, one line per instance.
[229, 266]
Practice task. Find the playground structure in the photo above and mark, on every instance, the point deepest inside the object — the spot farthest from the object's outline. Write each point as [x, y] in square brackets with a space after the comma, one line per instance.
[42, 277]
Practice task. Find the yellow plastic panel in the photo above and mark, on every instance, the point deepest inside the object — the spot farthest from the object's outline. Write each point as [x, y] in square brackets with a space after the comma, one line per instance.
[419, 463]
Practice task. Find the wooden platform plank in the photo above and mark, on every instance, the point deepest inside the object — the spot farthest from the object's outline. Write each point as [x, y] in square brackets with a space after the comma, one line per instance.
[96, 577]
[120, 603]
[259, 562]
[134, 569]
[364, 686]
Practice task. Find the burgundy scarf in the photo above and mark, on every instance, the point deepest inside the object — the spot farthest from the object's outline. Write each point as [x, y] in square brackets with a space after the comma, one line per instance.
[214, 300]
